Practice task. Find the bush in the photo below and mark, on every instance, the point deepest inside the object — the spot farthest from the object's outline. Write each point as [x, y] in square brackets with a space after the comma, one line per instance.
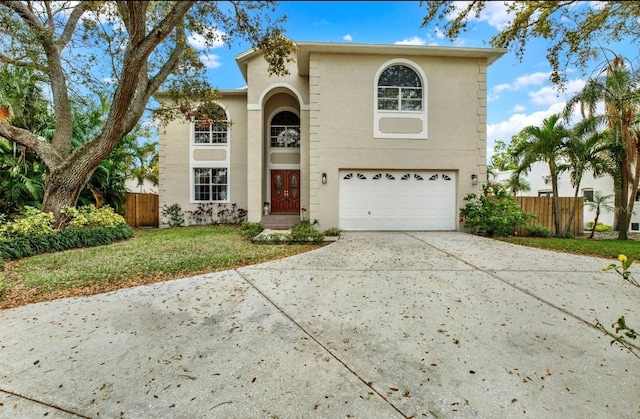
[305, 231]
[90, 216]
[71, 238]
[600, 227]
[250, 229]
[494, 213]
[211, 213]
[173, 214]
[31, 222]
[332, 231]
[536, 230]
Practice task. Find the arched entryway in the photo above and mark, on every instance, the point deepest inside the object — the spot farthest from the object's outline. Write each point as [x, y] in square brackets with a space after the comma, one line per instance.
[283, 188]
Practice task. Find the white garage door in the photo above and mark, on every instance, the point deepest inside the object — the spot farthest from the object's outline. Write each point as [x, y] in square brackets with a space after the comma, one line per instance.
[397, 200]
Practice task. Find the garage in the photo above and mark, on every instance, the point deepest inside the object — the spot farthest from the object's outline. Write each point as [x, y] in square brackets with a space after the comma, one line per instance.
[397, 200]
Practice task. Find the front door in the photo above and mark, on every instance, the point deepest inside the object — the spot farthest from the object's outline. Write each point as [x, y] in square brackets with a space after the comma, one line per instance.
[285, 190]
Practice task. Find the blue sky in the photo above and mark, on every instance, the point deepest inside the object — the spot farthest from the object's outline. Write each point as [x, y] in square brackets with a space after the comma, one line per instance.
[519, 93]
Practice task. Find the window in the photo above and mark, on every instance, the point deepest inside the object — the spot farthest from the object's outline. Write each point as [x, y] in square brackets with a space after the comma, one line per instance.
[210, 133]
[399, 89]
[285, 130]
[635, 226]
[588, 195]
[638, 196]
[545, 193]
[210, 184]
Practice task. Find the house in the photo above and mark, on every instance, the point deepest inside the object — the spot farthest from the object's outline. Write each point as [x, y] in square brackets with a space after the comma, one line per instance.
[539, 181]
[356, 136]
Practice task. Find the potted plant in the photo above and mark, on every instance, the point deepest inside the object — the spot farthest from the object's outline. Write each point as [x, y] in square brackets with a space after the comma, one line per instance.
[265, 207]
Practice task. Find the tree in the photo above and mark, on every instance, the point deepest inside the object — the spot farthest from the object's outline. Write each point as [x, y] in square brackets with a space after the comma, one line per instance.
[574, 30]
[618, 87]
[516, 183]
[586, 150]
[21, 172]
[599, 203]
[544, 144]
[137, 47]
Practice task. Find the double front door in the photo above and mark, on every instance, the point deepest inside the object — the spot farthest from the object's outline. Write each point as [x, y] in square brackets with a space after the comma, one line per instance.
[285, 190]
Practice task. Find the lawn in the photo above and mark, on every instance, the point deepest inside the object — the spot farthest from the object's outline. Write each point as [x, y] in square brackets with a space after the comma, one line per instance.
[150, 256]
[606, 248]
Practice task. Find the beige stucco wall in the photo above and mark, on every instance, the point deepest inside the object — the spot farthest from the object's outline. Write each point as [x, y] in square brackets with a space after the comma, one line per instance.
[177, 156]
[265, 95]
[342, 129]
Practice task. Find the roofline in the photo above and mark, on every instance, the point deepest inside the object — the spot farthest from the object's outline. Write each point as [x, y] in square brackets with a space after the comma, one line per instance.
[304, 49]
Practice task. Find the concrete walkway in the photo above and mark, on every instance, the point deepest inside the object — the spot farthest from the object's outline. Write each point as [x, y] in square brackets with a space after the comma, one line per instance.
[376, 325]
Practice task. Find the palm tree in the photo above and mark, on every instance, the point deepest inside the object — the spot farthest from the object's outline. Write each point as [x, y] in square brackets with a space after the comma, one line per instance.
[618, 87]
[546, 144]
[516, 183]
[599, 203]
[586, 150]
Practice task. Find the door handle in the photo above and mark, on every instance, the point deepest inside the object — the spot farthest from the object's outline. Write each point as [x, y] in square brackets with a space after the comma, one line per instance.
[286, 194]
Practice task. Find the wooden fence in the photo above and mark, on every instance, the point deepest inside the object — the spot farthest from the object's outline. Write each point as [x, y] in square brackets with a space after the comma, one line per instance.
[542, 207]
[141, 210]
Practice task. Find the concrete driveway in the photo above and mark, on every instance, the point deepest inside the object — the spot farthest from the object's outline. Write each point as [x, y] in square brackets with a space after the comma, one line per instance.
[376, 325]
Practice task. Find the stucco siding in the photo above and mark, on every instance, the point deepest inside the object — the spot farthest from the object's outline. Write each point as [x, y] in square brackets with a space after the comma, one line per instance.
[343, 137]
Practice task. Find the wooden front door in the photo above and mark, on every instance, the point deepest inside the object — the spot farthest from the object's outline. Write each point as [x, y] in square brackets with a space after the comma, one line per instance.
[285, 190]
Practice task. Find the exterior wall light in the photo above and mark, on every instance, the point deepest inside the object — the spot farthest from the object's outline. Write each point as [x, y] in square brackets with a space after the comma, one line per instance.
[474, 179]
[324, 178]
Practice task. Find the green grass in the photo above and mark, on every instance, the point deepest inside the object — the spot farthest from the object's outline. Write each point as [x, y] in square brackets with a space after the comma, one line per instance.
[582, 246]
[150, 256]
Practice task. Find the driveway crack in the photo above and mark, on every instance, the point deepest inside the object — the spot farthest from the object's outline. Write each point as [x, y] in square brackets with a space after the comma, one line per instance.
[53, 406]
[313, 338]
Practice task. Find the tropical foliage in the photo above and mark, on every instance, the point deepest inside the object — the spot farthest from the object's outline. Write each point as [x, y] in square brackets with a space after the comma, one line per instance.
[127, 51]
[493, 213]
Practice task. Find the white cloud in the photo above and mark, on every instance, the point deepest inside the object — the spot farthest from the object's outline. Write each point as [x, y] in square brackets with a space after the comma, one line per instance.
[518, 108]
[416, 40]
[494, 13]
[534, 79]
[210, 60]
[506, 129]
[550, 95]
[199, 42]
[347, 38]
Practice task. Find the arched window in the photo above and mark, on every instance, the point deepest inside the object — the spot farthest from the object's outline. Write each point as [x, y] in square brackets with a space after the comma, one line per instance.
[285, 130]
[399, 89]
[212, 126]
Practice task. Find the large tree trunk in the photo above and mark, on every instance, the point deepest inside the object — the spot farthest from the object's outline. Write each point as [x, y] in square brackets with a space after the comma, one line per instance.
[62, 189]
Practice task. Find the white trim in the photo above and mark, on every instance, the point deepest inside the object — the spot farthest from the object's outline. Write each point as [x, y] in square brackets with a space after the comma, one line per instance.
[210, 164]
[271, 166]
[422, 115]
[271, 87]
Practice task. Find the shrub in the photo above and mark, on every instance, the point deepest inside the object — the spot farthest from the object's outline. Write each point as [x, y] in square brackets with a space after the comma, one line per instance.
[494, 213]
[332, 231]
[305, 231]
[536, 230]
[211, 213]
[71, 238]
[90, 216]
[250, 229]
[600, 227]
[173, 214]
[31, 222]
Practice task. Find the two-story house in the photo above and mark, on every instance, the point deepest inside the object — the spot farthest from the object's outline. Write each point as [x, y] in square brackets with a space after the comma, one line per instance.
[356, 136]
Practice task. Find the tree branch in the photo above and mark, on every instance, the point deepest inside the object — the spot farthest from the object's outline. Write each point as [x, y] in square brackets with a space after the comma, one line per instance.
[72, 23]
[37, 144]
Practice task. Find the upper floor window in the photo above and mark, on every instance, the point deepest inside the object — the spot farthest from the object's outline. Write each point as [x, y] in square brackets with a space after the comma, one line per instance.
[285, 130]
[399, 89]
[211, 132]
